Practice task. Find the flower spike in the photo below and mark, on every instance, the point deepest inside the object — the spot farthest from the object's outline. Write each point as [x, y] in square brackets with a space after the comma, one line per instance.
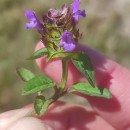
[60, 37]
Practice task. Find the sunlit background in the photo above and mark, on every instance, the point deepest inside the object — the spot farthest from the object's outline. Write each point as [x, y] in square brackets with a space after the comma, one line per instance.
[106, 28]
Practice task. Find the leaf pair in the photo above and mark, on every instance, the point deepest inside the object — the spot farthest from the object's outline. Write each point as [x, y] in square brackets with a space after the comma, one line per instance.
[50, 54]
[84, 65]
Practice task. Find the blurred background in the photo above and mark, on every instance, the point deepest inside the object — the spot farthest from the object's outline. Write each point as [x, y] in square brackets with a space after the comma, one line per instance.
[106, 28]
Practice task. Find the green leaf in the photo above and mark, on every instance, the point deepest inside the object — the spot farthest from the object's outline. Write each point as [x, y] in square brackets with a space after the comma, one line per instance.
[86, 88]
[60, 54]
[84, 65]
[41, 105]
[39, 53]
[25, 74]
[36, 84]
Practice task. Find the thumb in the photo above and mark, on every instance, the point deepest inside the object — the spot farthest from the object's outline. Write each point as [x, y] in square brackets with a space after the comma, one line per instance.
[17, 120]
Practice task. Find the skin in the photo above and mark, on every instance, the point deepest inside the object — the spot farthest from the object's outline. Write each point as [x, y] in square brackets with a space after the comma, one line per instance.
[106, 114]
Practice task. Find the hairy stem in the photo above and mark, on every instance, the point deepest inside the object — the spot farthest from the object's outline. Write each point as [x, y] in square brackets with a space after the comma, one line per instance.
[64, 73]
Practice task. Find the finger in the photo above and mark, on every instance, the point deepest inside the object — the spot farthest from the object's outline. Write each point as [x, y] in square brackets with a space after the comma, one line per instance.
[65, 116]
[108, 74]
[60, 116]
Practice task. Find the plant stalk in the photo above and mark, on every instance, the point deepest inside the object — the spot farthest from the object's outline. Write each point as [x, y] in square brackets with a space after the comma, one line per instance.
[64, 73]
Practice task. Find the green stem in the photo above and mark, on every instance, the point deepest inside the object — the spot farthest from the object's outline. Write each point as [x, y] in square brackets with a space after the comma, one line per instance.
[64, 73]
[60, 90]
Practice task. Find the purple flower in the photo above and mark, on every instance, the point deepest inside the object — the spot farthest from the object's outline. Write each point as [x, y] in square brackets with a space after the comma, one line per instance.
[67, 41]
[76, 12]
[34, 21]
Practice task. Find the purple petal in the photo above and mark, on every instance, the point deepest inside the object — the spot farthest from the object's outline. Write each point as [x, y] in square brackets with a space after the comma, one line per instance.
[67, 41]
[81, 13]
[75, 6]
[76, 17]
[34, 21]
[62, 43]
[32, 24]
[76, 12]
[30, 15]
[69, 47]
[66, 36]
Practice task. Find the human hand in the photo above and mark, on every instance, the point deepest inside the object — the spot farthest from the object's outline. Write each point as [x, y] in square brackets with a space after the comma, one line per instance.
[107, 114]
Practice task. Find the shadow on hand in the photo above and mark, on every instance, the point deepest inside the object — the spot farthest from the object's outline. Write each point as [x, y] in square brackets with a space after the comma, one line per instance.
[62, 117]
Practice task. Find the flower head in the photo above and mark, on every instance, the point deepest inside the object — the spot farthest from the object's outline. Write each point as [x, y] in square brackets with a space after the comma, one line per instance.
[76, 13]
[67, 41]
[34, 21]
